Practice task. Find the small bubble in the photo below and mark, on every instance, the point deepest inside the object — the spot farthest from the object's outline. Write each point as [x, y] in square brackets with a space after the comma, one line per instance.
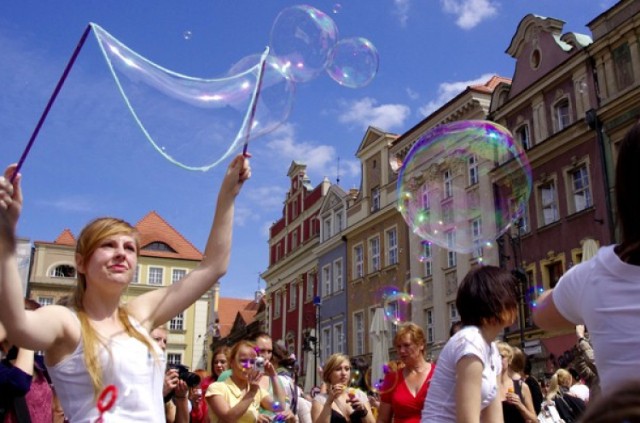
[337, 8]
[187, 35]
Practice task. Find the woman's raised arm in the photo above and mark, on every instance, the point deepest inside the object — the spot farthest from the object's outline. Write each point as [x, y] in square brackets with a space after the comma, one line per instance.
[157, 307]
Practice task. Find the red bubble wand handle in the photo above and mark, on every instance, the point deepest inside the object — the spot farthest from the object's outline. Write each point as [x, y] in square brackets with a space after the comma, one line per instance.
[254, 101]
[106, 400]
[52, 99]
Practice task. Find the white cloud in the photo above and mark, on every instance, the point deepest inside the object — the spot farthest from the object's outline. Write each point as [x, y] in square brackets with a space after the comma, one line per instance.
[366, 112]
[470, 12]
[243, 215]
[269, 197]
[413, 95]
[321, 159]
[401, 10]
[448, 90]
[73, 204]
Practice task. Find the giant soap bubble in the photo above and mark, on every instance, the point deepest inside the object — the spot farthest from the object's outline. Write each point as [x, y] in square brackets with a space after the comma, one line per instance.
[353, 62]
[302, 38]
[449, 191]
[193, 122]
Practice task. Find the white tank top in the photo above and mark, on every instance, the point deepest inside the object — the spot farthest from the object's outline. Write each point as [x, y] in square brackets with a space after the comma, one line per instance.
[130, 366]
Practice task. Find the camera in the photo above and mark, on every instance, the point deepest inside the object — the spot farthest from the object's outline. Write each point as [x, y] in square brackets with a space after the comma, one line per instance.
[260, 364]
[190, 378]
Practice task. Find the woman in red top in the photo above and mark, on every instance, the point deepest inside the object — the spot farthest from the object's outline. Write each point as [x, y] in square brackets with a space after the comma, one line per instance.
[403, 391]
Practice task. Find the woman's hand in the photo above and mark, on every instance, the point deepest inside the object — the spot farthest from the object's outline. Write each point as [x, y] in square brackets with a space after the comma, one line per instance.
[269, 369]
[514, 399]
[170, 381]
[238, 172]
[334, 391]
[11, 194]
[181, 389]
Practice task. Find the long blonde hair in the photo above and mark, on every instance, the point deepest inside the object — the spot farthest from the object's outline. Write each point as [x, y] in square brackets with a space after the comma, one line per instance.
[88, 241]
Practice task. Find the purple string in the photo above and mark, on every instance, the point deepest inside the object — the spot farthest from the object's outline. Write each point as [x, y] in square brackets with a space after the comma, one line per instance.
[50, 103]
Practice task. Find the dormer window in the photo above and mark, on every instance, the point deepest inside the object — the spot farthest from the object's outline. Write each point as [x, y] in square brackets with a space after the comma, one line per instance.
[159, 246]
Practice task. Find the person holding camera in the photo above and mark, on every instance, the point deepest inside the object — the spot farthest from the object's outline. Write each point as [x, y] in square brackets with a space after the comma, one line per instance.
[177, 406]
[239, 397]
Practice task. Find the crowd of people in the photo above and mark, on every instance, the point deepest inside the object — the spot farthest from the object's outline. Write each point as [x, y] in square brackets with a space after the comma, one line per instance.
[94, 340]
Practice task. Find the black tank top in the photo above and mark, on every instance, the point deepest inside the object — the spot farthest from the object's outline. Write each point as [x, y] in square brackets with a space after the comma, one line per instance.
[510, 411]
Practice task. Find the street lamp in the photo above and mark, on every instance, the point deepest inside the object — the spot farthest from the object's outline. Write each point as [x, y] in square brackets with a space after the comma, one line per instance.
[317, 302]
[518, 272]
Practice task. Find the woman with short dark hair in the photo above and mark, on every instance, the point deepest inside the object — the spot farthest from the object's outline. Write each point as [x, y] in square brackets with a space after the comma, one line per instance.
[464, 387]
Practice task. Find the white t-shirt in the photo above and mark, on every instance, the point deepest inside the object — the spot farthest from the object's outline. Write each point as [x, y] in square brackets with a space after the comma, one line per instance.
[581, 391]
[604, 295]
[440, 404]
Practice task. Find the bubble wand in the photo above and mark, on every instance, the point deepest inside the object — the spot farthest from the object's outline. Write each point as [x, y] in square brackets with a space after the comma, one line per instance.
[52, 99]
[254, 101]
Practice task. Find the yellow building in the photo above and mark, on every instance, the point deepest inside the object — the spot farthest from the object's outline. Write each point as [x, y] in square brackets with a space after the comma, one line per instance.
[165, 257]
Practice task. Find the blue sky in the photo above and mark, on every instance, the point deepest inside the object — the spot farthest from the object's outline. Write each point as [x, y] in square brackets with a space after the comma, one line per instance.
[91, 159]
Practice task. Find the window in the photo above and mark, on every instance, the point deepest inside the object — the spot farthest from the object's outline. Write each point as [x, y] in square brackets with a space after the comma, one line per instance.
[43, 301]
[278, 252]
[476, 235]
[177, 323]
[522, 210]
[358, 262]
[358, 333]
[453, 313]
[427, 258]
[174, 358]
[447, 177]
[424, 197]
[293, 296]
[451, 255]
[136, 275]
[159, 246]
[374, 249]
[155, 275]
[177, 274]
[392, 246]
[548, 202]
[338, 338]
[310, 287]
[473, 170]
[522, 135]
[294, 239]
[294, 209]
[338, 284]
[554, 271]
[392, 312]
[338, 222]
[428, 319]
[325, 343]
[326, 228]
[375, 199]
[63, 271]
[563, 118]
[326, 280]
[623, 68]
[276, 304]
[581, 189]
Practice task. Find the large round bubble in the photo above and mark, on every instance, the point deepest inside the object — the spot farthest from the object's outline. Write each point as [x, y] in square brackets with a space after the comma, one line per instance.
[353, 62]
[302, 38]
[446, 193]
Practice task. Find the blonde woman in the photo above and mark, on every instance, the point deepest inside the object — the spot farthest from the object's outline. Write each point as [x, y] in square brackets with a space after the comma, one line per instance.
[340, 403]
[569, 407]
[517, 406]
[99, 340]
